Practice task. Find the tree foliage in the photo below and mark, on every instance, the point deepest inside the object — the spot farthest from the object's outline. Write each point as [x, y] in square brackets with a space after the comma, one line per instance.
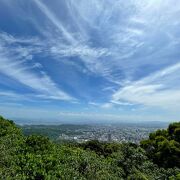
[163, 146]
[37, 157]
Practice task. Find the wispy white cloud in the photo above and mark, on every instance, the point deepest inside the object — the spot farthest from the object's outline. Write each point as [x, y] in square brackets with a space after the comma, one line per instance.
[10, 94]
[81, 51]
[74, 46]
[157, 89]
[8, 97]
[51, 16]
[134, 35]
[132, 46]
[93, 103]
[107, 105]
[13, 65]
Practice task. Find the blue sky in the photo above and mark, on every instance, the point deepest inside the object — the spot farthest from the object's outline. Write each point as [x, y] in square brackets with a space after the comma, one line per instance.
[90, 60]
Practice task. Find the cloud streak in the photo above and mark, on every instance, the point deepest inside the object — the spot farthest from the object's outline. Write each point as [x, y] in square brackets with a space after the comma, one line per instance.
[109, 55]
[157, 89]
[55, 21]
[13, 66]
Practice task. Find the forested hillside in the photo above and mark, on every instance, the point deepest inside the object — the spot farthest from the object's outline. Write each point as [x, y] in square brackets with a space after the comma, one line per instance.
[36, 157]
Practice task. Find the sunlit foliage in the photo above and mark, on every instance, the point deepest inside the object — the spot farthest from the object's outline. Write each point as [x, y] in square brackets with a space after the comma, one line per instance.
[37, 157]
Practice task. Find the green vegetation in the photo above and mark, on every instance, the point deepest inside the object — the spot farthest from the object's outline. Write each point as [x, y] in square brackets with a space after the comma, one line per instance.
[163, 146]
[53, 131]
[37, 157]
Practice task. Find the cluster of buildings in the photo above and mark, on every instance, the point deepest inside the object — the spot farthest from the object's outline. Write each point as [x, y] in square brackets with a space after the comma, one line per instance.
[108, 134]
